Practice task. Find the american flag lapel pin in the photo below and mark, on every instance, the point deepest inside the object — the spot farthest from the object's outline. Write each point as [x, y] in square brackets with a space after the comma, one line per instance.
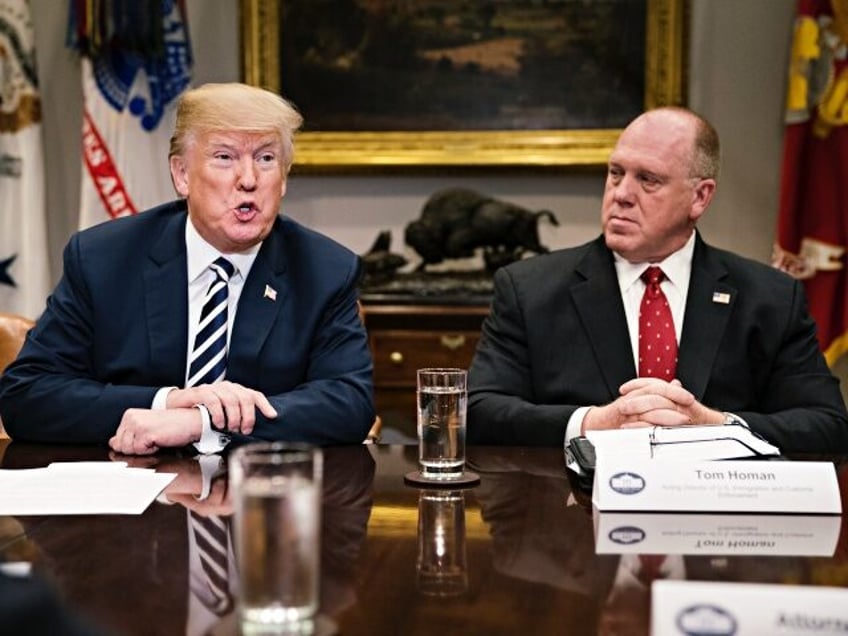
[270, 292]
[721, 298]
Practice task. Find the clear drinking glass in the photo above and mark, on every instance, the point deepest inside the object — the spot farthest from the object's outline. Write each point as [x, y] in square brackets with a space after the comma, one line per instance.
[442, 404]
[276, 491]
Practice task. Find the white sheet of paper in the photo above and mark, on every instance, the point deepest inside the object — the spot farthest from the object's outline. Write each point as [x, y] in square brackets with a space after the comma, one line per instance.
[76, 488]
[703, 607]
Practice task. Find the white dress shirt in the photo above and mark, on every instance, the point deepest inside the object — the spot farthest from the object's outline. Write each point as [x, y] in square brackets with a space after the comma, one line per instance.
[200, 255]
[677, 268]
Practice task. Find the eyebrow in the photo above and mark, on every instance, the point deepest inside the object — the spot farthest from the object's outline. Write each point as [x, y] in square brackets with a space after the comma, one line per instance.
[227, 145]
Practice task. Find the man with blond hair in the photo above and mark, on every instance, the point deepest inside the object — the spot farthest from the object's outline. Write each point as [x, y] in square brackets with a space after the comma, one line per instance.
[205, 319]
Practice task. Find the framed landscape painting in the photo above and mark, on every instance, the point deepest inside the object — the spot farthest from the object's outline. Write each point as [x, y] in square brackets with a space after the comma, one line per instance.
[521, 83]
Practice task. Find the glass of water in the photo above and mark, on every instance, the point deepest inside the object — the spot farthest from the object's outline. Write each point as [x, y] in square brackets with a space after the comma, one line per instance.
[276, 491]
[442, 404]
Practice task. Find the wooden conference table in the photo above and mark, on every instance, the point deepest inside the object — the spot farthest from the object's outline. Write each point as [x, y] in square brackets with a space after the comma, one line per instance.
[526, 546]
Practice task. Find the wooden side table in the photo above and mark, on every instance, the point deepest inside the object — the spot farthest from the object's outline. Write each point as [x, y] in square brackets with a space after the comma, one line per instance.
[408, 337]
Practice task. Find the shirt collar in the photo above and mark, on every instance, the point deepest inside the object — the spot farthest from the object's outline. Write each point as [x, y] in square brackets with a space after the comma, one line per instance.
[201, 255]
[677, 267]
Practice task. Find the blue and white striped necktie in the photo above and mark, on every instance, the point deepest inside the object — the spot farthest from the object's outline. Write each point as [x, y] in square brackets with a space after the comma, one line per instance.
[208, 361]
[210, 535]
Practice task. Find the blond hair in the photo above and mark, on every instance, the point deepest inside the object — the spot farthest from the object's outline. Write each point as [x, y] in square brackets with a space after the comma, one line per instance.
[235, 107]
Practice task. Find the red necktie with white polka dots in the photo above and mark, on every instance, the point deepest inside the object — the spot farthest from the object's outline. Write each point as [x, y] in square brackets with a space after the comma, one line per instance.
[657, 340]
[651, 568]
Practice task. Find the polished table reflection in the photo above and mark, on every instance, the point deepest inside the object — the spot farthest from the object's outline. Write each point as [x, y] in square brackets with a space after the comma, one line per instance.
[515, 554]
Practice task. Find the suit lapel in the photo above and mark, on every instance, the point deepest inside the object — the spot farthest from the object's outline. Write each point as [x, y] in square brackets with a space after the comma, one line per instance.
[709, 305]
[166, 300]
[597, 298]
[265, 292]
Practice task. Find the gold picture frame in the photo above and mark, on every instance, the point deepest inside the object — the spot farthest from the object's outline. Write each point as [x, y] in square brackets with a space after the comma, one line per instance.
[330, 151]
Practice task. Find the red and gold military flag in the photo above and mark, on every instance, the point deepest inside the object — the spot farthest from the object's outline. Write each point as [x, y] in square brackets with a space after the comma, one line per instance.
[813, 220]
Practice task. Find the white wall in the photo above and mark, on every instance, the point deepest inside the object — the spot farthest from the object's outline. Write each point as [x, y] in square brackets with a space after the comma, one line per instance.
[738, 69]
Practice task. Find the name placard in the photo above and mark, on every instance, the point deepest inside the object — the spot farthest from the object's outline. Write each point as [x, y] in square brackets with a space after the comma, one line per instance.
[727, 609]
[716, 534]
[722, 486]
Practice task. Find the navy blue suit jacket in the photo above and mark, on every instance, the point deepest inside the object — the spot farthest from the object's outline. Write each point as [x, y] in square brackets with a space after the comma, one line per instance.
[115, 331]
[556, 339]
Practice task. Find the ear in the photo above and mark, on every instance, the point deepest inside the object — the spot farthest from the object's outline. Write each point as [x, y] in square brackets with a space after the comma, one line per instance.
[702, 195]
[283, 186]
[179, 177]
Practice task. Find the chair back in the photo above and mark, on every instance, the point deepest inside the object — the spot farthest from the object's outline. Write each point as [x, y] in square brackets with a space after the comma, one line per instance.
[13, 331]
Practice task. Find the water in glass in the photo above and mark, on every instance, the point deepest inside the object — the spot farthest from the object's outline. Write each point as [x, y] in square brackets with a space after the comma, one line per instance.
[441, 431]
[278, 549]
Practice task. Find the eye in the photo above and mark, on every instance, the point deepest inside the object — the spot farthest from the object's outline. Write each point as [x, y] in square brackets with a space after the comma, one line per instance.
[266, 159]
[222, 155]
[614, 173]
[650, 181]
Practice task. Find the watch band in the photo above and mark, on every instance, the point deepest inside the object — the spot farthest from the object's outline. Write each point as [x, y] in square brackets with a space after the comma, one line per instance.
[730, 418]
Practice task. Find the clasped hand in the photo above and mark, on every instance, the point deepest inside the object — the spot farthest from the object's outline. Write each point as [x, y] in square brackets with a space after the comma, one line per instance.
[232, 407]
[651, 402]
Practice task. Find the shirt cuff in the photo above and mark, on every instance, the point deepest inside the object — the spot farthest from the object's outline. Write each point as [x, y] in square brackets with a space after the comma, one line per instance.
[210, 441]
[210, 467]
[161, 398]
[575, 423]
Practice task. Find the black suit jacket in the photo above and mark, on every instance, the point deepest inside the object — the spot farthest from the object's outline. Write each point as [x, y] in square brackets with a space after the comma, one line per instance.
[116, 328]
[556, 339]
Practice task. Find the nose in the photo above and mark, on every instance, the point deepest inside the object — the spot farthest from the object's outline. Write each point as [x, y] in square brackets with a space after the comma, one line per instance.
[623, 191]
[247, 175]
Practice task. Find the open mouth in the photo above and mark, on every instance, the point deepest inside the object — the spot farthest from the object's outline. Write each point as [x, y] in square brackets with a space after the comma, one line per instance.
[246, 211]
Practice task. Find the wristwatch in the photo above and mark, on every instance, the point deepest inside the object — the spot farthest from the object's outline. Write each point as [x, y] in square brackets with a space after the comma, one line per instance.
[730, 418]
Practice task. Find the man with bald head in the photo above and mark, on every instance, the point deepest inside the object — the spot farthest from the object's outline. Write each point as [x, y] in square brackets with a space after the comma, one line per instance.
[648, 324]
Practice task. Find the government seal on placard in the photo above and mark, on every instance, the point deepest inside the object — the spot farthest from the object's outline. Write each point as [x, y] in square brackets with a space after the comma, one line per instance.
[627, 483]
[627, 535]
[700, 619]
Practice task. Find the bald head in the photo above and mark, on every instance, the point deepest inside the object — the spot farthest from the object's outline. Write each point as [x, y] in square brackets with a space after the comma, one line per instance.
[704, 148]
[661, 179]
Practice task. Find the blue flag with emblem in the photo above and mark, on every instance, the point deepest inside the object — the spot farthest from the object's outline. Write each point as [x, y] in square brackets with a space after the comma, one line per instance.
[136, 61]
